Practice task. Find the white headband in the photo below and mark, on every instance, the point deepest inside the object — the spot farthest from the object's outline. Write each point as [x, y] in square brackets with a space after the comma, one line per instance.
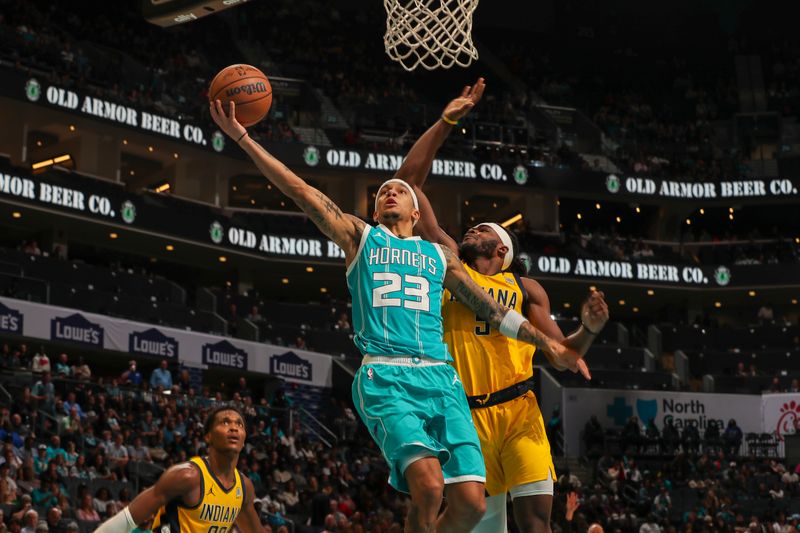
[404, 184]
[505, 238]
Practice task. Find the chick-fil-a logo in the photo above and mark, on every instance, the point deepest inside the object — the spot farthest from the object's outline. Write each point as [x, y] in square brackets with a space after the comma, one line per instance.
[789, 422]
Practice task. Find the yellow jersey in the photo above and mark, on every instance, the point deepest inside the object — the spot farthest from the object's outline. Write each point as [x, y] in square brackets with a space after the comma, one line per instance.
[486, 360]
[215, 513]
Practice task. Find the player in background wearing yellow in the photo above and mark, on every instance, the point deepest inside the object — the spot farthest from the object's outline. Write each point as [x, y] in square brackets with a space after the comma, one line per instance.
[497, 372]
[203, 495]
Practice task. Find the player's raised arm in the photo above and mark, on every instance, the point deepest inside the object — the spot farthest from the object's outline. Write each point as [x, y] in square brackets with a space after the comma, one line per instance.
[417, 165]
[506, 321]
[343, 229]
[177, 482]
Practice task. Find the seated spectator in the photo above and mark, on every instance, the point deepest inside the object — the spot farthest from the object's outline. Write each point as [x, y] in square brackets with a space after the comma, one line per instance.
[161, 377]
[41, 363]
[652, 434]
[32, 248]
[712, 437]
[44, 393]
[118, 456]
[343, 324]
[631, 436]
[594, 437]
[662, 503]
[82, 371]
[54, 523]
[690, 439]
[131, 376]
[29, 521]
[86, 512]
[254, 315]
[670, 439]
[139, 452]
[741, 370]
[732, 438]
[765, 314]
[63, 369]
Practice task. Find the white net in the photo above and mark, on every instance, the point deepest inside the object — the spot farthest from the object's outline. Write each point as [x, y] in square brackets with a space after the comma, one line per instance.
[430, 33]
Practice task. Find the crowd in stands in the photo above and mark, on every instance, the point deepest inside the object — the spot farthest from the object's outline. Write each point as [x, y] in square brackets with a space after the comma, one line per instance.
[654, 128]
[597, 241]
[81, 48]
[665, 480]
[77, 446]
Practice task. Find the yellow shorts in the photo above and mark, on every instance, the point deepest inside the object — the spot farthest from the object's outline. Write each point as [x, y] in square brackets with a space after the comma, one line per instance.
[514, 444]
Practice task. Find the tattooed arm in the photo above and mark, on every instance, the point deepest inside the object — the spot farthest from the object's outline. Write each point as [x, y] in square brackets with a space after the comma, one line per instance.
[343, 229]
[473, 296]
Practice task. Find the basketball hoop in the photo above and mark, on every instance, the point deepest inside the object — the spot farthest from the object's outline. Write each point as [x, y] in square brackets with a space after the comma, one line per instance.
[430, 33]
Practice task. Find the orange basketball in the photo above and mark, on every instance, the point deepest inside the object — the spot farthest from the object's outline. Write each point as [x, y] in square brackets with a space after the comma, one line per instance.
[248, 87]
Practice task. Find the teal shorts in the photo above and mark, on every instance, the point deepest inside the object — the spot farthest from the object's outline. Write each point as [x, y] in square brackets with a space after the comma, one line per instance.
[415, 411]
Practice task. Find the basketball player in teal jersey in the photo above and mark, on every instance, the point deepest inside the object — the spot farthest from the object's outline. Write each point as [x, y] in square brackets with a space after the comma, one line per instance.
[405, 392]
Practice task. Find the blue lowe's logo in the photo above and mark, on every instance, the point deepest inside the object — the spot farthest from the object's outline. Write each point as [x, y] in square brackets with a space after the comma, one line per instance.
[10, 320]
[152, 342]
[291, 365]
[76, 328]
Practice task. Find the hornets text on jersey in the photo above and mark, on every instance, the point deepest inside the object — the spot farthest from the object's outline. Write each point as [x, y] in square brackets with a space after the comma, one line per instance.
[396, 286]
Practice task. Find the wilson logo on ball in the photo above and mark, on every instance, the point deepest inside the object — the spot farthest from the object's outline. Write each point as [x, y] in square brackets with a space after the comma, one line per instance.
[250, 88]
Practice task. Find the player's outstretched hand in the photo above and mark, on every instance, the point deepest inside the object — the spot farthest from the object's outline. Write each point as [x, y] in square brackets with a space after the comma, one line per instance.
[594, 313]
[459, 107]
[227, 123]
[572, 505]
[564, 358]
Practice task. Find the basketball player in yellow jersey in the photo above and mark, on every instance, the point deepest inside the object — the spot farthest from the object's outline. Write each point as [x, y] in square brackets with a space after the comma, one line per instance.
[497, 372]
[204, 495]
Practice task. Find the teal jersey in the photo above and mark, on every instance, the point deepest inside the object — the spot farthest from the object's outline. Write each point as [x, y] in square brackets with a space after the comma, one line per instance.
[396, 286]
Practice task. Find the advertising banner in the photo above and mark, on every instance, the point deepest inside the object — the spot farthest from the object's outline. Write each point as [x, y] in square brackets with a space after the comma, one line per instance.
[649, 189]
[72, 193]
[142, 340]
[37, 90]
[613, 408]
[523, 173]
[781, 413]
[679, 275]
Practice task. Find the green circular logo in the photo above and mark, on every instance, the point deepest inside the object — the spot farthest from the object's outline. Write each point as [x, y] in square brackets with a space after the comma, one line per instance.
[526, 261]
[520, 175]
[311, 156]
[128, 212]
[33, 90]
[612, 184]
[216, 231]
[722, 275]
[218, 141]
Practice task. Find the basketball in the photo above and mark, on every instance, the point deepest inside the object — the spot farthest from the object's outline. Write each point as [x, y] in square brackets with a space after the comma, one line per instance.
[248, 87]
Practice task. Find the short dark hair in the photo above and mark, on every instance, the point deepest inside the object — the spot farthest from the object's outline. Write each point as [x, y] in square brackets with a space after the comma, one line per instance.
[210, 419]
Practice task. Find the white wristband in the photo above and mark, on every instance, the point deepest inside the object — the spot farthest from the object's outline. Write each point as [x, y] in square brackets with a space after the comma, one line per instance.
[511, 323]
[122, 522]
